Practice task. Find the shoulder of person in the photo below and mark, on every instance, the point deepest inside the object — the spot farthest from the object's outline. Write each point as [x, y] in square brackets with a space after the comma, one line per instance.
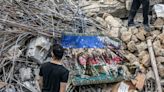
[65, 69]
[45, 64]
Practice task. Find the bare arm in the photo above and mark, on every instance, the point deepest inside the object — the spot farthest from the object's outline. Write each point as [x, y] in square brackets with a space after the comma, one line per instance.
[63, 87]
[64, 80]
[40, 81]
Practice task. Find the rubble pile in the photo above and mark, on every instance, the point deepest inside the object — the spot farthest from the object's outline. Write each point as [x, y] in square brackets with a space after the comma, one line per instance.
[135, 47]
[28, 29]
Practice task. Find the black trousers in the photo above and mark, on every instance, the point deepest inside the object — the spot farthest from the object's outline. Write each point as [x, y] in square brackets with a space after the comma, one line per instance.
[134, 8]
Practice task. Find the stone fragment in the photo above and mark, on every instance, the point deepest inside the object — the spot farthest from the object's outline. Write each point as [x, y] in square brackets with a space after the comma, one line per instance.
[141, 54]
[155, 33]
[134, 38]
[92, 8]
[128, 4]
[112, 21]
[160, 59]
[134, 30]
[126, 36]
[159, 23]
[126, 71]
[119, 20]
[114, 32]
[150, 74]
[139, 81]
[25, 73]
[113, 7]
[158, 9]
[143, 69]
[161, 37]
[145, 60]
[123, 46]
[91, 29]
[161, 70]
[141, 34]
[159, 51]
[38, 49]
[123, 29]
[132, 58]
[141, 47]
[157, 44]
[101, 21]
[131, 46]
[126, 85]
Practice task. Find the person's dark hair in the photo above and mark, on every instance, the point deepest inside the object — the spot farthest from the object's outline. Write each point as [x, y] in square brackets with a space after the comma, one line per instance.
[58, 51]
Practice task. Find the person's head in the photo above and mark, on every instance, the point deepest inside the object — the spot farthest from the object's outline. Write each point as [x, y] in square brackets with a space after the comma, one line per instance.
[57, 52]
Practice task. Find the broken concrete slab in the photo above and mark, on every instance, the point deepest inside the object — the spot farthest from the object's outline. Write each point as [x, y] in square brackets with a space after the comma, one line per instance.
[159, 23]
[159, 10]
[160, 59]
[161, 37]
[134, 30]
[134, 38]
[142, 53]
[25, 73]
[131, 46]
[114, 32]
[91, 29]
[159, 51]
[141, 34]
[155, 33]
[150, 74]
[94, 7]
[139, 81]
[38, 49]
[132, 58]
[127, 86]
[123, 29]
[141, 46]
[101, 21]
[126, 36]
[161, 70]
[145, 60]
[128, 4]
[112, 21]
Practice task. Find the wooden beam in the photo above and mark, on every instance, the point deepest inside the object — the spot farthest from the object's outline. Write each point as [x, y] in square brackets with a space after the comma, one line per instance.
[154, 65]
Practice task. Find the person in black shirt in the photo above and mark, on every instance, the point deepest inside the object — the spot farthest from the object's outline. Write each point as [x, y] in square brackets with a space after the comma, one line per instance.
[134, 8]
[53, 76]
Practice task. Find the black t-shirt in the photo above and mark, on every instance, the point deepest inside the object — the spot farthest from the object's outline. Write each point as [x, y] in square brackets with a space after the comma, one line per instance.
[53, 75]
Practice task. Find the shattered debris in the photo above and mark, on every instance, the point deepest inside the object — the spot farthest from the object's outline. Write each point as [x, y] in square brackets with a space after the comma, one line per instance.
[139, 81]
[38, 49]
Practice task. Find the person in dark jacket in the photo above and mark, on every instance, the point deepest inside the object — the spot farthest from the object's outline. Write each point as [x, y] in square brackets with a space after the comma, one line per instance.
[134, 8]
[54, 76]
